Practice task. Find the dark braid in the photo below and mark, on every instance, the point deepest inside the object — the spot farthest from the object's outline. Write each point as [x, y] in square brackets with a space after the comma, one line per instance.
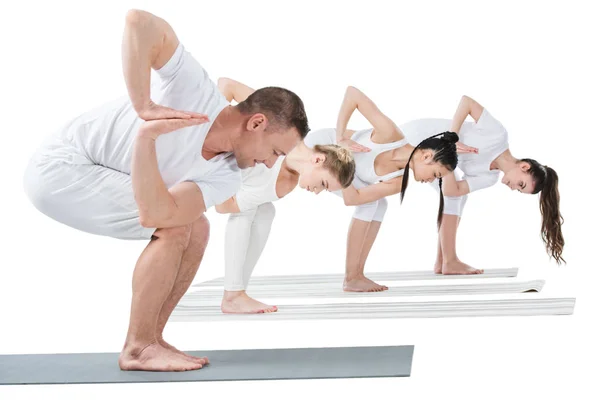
[444, 147]
[546, 181]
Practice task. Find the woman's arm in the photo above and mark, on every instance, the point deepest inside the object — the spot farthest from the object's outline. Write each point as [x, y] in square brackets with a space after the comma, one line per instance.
[355, 197]
[234, 90]
[453, 188]
[467, 106]
[354, 99]
[229, 206]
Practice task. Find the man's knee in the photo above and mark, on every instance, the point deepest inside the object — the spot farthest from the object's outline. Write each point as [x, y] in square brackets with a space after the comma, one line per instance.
[200, 230]
[179, 235]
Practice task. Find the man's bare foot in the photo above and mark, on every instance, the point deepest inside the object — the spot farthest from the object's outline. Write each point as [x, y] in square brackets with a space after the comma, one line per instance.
[362, 284]
[154, 357]
[163, 343]
[240, 303]
[459, 268]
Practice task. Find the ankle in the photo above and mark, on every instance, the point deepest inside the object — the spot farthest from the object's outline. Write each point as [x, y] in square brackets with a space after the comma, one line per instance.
[230, 295]
[134, 346]
[353, 276]
[451, 259]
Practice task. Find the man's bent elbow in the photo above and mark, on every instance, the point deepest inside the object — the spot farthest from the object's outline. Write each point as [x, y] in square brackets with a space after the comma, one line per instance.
[134, 16]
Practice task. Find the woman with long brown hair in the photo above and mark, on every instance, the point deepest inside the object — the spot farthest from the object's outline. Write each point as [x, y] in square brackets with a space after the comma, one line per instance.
[481, 170]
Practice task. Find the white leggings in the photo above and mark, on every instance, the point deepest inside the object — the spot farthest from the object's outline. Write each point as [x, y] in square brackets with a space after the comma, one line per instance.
[246, 235]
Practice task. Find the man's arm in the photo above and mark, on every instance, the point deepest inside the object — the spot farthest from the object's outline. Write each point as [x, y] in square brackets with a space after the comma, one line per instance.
[234, 90]
[148, 42]
[158, 206]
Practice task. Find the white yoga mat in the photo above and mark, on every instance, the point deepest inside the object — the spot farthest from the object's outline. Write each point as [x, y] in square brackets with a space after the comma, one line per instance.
[377, 276]
[206, 295]
[477, 308]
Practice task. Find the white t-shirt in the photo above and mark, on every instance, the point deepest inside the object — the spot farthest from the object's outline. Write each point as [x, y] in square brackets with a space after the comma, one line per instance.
[106, 134]
[259, 185]
[487, 134]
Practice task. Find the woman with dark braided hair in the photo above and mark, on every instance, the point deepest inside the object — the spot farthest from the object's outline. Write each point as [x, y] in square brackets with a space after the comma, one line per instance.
[382, 154]
[482, 170]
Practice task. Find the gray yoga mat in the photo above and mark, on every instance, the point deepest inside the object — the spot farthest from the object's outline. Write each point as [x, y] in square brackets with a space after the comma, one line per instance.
[225, 365]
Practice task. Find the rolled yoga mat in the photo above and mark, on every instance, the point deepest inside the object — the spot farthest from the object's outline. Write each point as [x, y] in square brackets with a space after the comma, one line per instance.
[225, 365]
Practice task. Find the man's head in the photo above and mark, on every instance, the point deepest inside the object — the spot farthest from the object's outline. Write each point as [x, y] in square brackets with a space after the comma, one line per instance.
[275, 122]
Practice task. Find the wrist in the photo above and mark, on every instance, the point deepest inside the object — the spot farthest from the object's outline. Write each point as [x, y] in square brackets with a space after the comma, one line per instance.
[147, 134]
[142, 107]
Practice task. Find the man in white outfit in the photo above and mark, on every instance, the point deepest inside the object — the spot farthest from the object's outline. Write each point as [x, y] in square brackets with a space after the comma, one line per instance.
[115, 171]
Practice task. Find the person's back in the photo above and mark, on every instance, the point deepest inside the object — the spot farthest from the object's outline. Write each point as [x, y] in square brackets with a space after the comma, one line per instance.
[487, 135]
[106, 133]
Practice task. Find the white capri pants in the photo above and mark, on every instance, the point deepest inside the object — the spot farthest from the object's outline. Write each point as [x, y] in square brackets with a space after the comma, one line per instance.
[68, 187]
[246, 235]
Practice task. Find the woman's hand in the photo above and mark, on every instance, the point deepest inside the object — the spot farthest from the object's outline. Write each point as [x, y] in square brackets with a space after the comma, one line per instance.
[463, 148]
[353, 146]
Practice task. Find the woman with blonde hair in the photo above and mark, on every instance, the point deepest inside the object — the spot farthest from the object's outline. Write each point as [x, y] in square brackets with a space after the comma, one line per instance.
[323, 167]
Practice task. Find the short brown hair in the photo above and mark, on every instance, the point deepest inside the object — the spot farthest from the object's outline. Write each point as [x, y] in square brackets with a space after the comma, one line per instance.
[280, 105]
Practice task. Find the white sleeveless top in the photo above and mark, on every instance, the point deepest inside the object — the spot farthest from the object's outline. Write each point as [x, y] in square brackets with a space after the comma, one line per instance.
[365, 162]
[259, 185]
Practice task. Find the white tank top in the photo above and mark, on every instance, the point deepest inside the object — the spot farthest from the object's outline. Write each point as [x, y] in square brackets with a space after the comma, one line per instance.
[259, 185]
[365, 162]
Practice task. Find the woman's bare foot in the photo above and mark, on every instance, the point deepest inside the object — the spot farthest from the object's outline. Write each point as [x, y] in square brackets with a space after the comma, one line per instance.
[362, 284]
[201, 360]
[459, 268]
[437, 267]
[154, 357]
[239, 302]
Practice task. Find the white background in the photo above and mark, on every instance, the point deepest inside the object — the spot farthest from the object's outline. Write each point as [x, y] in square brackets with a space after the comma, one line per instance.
[533, 65]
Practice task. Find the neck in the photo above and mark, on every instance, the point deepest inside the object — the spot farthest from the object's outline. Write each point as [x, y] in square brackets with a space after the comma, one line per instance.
[504, 161]
[400, 155]
[224, 130]
[298, 159]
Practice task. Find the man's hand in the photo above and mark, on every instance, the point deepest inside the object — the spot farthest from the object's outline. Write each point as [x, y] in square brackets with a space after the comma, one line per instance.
[153, 111]
[154, 128]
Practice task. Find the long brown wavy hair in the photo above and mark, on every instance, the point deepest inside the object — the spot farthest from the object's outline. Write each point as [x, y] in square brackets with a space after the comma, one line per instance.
[546, 181]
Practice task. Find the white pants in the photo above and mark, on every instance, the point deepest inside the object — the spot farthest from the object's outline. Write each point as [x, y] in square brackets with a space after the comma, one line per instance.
[246, 235]
[64, 184]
